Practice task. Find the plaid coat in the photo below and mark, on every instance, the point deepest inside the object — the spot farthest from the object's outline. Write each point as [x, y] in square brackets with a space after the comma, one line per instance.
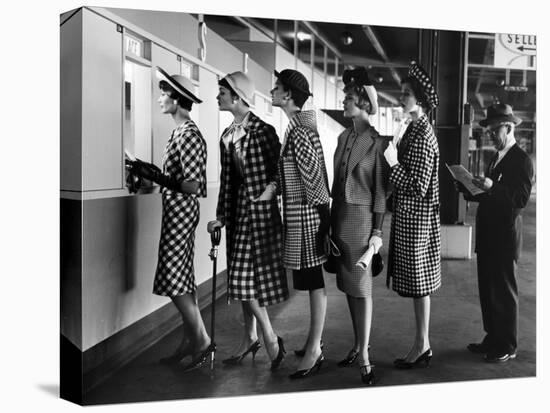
[260, 151]
[414, 261]
[303, 182]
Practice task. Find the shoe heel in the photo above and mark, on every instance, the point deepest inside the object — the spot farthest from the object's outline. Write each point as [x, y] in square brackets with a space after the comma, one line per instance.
[254, 353]
[319, 365]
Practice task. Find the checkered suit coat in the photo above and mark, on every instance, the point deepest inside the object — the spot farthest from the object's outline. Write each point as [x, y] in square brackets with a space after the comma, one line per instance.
[414, 262]
[260, 151]
[303, 183]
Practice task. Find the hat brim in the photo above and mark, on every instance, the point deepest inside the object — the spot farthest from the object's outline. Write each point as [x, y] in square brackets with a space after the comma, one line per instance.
[178, 87]
[500, 119]
[229, 80]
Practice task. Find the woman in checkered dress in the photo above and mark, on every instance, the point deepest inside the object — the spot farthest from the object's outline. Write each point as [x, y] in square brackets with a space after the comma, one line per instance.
[183, 179]
[358, 206]
[249, 150]
[414, 266]
[304, 186]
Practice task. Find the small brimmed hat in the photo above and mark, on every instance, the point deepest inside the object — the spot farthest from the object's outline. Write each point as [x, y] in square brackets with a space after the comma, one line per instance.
[360, 77]
[499, 113]
[242, 85]
[180, 83]
[293, 79]
[417, 72]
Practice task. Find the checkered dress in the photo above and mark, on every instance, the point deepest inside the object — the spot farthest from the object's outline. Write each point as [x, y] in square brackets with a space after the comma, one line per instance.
[304, 185]
[253, 229]
[185, 159]
[414, 262]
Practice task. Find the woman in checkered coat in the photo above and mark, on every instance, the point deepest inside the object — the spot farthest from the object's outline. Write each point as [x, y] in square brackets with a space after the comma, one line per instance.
[183, 179]
[249, 150]
[358, 207]
[414, 266]
[304, 186]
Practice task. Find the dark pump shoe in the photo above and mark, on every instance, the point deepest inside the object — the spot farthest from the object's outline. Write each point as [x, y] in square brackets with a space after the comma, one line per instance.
[367, 377]
[276, 363]
[302, 351]
[302, 374]
[349, 360]
[201, 359]
[253, 349]
[478, 348]
[500, 358]
[422, 361]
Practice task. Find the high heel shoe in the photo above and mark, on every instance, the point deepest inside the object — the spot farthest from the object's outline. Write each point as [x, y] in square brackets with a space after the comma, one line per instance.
[302, 351]
[301, 374]
[422, 360]
[253, 349]
[367, 377]
[276, 363]
[201, 358]
[350, 359]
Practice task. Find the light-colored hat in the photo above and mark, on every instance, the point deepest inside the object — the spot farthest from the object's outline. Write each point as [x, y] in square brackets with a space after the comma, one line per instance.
[180, 83]
[499, 113]
[360, 77]
[242, 85]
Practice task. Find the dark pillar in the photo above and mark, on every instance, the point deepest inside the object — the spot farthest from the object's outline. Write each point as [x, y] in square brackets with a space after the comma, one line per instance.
[441, 53]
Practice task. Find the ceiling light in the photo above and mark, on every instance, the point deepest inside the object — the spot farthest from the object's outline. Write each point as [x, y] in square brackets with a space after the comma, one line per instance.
[347, 38]
[301, 36]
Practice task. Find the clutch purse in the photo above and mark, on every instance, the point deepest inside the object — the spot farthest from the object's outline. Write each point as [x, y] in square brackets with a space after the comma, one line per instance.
[333, 253]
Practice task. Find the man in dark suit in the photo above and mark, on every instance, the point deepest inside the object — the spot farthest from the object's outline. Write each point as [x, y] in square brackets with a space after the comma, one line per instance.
[507, 186]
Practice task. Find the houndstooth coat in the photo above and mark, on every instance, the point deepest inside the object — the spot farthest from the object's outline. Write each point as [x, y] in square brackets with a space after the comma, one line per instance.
[414, 262]
[303, 183]
[184, 159]
[254, 263]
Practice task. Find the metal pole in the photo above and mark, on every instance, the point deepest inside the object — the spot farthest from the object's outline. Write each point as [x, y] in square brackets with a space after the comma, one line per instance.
[215, 237]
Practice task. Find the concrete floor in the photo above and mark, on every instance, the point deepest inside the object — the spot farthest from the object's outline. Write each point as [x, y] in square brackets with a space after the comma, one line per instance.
[456, 321]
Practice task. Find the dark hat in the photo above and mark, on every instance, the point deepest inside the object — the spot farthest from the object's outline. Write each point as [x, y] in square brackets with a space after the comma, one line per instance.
[293, 79]
[418, 73]
[180, 84]
[499, 113]
[360, 77]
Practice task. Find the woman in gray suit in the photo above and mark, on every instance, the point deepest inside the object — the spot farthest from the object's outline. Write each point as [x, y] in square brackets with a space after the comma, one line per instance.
[359, 203]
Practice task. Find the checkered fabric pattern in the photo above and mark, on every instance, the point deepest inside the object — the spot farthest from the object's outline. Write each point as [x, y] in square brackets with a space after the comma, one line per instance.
[414, 262]
[253, 229]
[416, 71]
[185, 159]
[304, 185]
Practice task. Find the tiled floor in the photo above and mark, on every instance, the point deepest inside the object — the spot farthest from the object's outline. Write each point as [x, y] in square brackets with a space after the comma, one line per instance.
[455, 322]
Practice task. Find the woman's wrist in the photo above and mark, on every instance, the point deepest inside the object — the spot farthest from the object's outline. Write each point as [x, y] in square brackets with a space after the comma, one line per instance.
[376, 233]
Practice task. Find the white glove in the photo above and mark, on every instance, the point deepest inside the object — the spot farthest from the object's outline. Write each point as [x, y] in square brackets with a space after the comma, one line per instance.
[391, 154]
[375, 241]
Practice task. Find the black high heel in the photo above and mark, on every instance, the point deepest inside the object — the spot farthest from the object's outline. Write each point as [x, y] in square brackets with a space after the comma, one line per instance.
[302, 351]
[276, 363]
[349, 360]
[201, 358]
[253, 349]
[367, 377]
[421, 361]
[301, 374]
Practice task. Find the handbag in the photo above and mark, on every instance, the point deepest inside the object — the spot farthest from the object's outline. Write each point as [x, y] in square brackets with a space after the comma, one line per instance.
[377, 265]
[333, 257]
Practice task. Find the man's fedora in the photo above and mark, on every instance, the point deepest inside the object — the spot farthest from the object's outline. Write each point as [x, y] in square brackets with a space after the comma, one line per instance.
[499, 113]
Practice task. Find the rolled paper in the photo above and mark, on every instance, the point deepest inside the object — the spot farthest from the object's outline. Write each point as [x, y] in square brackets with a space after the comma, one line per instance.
[366, 258]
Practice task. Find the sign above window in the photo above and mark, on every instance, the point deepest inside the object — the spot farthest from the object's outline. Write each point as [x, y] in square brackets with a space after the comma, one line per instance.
[515, 51]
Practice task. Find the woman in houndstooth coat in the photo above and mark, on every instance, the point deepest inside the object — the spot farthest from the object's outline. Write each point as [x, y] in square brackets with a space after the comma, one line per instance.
[414, 262]
[304, 186]
[183, 180]
[249, 150]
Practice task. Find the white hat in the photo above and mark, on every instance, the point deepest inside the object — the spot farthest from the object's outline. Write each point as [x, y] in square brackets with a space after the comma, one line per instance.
[242, 85]
[180, 83]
